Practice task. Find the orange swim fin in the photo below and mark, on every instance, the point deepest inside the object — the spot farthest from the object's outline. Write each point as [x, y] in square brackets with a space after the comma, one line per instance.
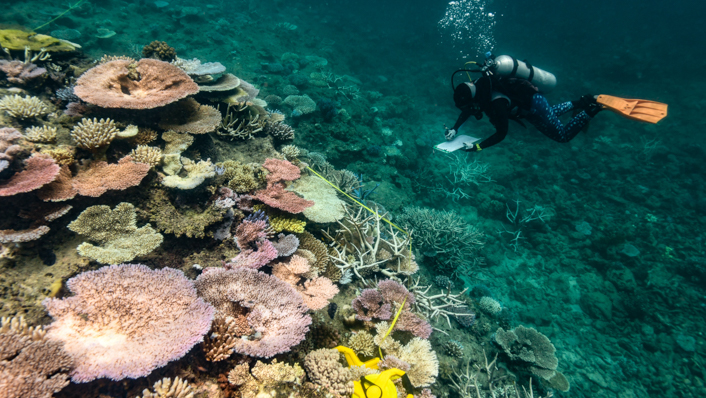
[635, 109]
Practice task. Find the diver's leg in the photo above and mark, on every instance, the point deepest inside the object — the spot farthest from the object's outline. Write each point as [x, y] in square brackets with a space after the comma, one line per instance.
[564, 107]
[548, 123]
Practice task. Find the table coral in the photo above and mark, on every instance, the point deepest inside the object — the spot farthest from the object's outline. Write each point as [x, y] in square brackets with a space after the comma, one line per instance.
[39, 170]
[276, 313]
[127, 320]
[146, 84]
[116, 230]
[188, 116]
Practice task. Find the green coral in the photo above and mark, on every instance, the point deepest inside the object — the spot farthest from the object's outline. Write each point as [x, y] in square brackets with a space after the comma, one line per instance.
[116, 230]
[243, 178]
[14, 39]
[190, 222]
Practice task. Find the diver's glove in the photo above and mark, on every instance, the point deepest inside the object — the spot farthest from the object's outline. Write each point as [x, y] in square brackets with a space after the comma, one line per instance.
[584, 102]
[450, 134]
[469, 147]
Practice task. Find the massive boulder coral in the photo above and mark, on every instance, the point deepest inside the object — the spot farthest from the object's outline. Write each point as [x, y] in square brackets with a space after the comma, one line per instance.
[145, 84]
[30, 364]
[116, 230]
[272, 310]
[127, 320]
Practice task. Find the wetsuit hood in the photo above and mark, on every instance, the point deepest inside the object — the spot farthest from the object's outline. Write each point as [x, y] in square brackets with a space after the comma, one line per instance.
[464, 94]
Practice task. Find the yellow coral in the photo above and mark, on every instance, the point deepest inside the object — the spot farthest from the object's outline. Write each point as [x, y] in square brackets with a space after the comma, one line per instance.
[41, 134]
[93, 134]
[362, 343]
[63, 155]
[146, 154]
[280, 224]
[14, 39]
[117, 231]
[243, 177]
[23, 107]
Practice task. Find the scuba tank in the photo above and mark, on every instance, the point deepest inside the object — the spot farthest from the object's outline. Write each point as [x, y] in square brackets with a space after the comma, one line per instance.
[507, 66]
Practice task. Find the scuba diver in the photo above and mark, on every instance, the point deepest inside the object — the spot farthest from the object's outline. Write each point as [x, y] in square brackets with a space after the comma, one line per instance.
[510, 89]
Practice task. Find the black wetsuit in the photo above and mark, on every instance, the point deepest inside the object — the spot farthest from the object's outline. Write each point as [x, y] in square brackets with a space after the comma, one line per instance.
[503, 100]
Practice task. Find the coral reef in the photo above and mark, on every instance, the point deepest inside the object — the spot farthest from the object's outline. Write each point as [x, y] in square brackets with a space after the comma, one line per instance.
[188, 116]
[327, 206]
[275, 195]
[190, 222]
[126, 320]
[117, 233]
[530, 350]
[273, 380]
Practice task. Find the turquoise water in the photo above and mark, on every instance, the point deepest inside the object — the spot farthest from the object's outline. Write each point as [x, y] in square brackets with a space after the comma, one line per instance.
[596, 243]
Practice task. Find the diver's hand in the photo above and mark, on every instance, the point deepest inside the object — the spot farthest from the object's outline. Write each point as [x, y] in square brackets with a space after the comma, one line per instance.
[450, 134]
[470, 147]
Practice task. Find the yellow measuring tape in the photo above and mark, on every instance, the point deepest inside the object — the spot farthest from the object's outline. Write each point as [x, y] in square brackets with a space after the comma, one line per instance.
[363, 206]
[391, 326]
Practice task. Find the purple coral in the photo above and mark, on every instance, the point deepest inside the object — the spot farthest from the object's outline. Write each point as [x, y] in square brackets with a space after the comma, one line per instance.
[127, 320]
[377, 304]
[275, 311]
[18, 72]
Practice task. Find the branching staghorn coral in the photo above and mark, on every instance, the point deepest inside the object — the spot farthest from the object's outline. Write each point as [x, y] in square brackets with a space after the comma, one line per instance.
[439, 305]
[443, 236]
[362, 246]
[168, 388]
[240, 122]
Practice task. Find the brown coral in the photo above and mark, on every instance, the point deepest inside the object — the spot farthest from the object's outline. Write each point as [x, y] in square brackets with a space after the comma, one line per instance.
[188, 116]
[146, 84]
[159, 50]
[30, 365]
[101, 177]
